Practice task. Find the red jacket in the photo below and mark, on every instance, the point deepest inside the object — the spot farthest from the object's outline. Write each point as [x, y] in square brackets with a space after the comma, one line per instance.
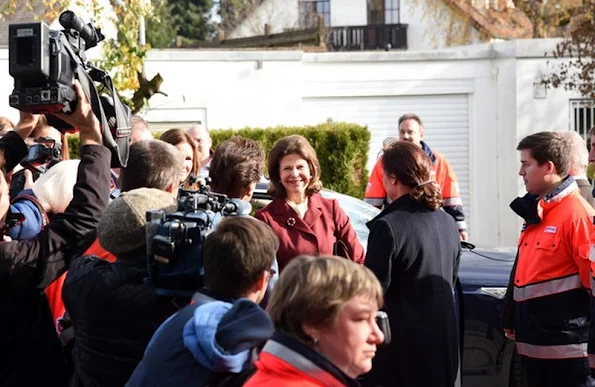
[286, 362]
[315, 234]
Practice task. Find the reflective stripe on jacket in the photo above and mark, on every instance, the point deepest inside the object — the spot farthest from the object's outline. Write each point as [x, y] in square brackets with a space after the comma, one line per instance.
[552, 275]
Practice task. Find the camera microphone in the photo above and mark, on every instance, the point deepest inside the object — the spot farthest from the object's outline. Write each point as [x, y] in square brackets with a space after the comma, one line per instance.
[90, 35]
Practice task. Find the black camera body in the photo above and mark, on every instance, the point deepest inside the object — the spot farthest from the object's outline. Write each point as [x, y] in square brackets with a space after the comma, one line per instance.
[44, 64]
[46, 150]
[175, 241]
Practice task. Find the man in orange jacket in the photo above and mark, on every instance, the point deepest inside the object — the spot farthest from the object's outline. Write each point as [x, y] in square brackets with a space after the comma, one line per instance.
[411, 130]
[551, 281]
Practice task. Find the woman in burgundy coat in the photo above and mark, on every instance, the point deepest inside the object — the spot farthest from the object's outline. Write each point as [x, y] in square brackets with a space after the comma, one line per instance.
[304, 221]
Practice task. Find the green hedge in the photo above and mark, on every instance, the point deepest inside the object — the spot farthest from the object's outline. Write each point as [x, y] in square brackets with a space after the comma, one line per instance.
[342, 150]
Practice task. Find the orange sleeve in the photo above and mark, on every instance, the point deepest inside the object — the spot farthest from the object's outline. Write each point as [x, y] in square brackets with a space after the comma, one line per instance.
[97, 250]
[375, 192]
[581, 244]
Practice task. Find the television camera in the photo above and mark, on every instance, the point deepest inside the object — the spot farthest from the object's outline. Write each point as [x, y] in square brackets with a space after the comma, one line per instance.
[175, 241]
[44, 64]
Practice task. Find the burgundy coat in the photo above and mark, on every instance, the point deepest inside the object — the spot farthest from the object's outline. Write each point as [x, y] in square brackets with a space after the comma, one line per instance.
[315, 234]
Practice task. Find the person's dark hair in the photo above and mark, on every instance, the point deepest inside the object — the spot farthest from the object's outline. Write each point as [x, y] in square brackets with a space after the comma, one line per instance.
[591, 134]
[410, 116]
[548, 146]
[151, 164]
[236, 254]
[236, 164]
[412, 167]
[177, 136]
[289, 145]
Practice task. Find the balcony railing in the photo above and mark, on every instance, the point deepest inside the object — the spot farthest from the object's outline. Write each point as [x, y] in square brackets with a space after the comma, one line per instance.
[370, 37]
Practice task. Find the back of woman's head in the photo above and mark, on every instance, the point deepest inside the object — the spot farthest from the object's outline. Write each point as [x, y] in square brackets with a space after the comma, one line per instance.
[312, 290]
[411, 166]
[54, 188]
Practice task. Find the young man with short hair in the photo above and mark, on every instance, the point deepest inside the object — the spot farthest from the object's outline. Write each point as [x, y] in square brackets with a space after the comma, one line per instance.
[213, 337]
[550, 283]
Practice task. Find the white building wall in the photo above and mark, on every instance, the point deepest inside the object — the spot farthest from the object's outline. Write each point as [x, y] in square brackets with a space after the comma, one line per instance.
[280, 15]
[349, 13]
[245, 88]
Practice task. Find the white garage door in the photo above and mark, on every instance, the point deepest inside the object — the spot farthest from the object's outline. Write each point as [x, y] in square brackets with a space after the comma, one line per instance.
[445, 118]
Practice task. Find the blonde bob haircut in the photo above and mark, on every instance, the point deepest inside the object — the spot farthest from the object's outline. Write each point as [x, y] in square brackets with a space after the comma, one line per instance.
[292, 145]
[312, 290]
[54, 189]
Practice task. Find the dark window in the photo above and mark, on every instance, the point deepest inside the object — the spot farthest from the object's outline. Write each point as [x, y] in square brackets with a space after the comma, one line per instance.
[582, 117]
[309, 10]
[383, 12]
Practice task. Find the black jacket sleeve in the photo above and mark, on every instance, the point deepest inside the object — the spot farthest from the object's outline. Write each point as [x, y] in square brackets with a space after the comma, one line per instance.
[381, 252]
[41, 260]
[14, 149]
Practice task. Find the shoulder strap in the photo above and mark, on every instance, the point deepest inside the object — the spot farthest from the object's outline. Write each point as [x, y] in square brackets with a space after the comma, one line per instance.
[45, 220]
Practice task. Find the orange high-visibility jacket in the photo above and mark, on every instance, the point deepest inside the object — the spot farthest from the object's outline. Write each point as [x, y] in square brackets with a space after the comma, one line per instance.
[552, 277]
[442, 173]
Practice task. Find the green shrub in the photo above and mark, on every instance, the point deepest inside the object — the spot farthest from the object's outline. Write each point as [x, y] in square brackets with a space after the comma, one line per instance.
[342, 150]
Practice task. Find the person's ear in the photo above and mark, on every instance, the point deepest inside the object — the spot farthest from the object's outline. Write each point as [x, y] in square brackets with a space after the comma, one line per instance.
[311, 331]
[172, 188]
[261, 283]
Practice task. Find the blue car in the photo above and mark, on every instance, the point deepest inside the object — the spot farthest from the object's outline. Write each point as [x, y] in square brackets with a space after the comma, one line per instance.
[488, 357]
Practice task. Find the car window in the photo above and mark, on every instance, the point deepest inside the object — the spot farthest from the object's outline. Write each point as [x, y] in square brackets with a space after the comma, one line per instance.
[358, 211]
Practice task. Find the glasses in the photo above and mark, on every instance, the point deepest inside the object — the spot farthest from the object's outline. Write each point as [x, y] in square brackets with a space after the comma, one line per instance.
[272, 272]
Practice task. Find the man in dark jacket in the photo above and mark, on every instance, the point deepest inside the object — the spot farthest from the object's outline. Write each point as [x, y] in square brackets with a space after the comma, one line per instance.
[110, 304]
[31, 353]
[213, 337]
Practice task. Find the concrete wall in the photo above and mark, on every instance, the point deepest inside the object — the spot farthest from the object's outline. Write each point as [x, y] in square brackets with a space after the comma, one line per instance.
[250, 88]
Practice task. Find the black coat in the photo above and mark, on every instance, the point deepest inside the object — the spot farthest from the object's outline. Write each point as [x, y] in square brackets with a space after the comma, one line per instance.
[415, 251]
[31, 354]
[113, 314]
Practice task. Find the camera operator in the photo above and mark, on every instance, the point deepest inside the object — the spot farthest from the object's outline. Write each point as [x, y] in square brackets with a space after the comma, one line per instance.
[31, 353]
[112, 300]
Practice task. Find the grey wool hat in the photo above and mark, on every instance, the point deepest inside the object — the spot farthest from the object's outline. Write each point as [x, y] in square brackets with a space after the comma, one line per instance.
[122, 226]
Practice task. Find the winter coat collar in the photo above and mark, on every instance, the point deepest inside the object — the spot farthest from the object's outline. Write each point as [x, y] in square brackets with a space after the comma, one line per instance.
[286, 215]
[221, 335]
[403, 202]
[429, 152]
[306, 360]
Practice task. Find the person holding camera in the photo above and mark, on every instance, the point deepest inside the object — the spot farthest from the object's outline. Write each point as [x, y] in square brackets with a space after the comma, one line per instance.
[112, 300]
[324, 311]
[212, 338]
[414, 250]
[31, 351]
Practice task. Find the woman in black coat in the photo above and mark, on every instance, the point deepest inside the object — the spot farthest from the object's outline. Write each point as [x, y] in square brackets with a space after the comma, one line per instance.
[414, 250]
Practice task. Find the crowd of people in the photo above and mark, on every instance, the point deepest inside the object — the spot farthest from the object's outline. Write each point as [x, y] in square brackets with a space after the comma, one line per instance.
[289, 296]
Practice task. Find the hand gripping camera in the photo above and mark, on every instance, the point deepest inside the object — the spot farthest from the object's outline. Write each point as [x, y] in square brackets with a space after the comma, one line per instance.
[174, 241]
[44, 63]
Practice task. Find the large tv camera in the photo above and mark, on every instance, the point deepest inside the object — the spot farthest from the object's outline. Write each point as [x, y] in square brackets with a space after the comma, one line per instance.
[44, 64]
[174, 241]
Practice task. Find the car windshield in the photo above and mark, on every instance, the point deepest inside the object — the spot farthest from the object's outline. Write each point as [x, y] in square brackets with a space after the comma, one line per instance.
[359, 212]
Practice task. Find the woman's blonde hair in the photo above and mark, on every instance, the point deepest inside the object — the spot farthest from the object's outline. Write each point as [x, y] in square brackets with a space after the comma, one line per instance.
[312, 290]
[54, 188]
